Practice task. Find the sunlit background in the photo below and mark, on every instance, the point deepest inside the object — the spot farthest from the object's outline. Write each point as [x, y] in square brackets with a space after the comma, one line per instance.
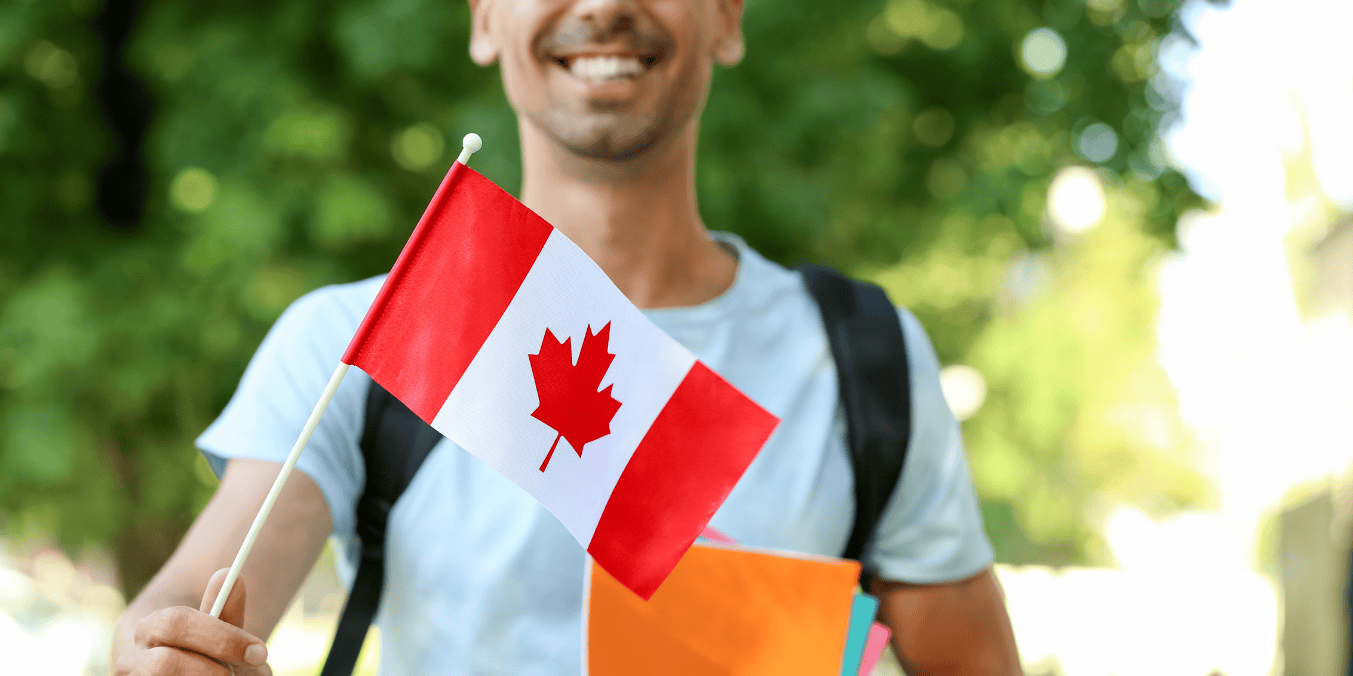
[1155, 377]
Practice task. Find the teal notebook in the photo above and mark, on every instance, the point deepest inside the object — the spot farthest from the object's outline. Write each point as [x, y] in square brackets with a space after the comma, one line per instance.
[862, 612]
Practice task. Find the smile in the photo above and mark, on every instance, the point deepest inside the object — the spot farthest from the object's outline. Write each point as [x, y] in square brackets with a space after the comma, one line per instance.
[603, 69]
[600, 69]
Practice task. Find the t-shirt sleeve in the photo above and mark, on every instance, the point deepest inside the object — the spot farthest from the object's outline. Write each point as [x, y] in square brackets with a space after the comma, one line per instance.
[280, 388]
[931, 530]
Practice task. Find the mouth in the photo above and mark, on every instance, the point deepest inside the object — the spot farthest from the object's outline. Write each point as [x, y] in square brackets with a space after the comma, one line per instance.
[595, 68]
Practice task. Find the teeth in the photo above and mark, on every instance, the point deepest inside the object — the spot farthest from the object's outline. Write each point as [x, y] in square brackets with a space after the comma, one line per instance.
[599, 69]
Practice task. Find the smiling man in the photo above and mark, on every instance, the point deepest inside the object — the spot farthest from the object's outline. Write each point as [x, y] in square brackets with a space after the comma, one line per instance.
[480, 579]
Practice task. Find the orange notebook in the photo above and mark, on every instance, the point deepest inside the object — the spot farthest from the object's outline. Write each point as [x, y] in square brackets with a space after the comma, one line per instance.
[723, 610]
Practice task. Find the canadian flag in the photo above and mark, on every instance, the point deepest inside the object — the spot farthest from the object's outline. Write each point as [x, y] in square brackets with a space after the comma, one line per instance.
[504, 336]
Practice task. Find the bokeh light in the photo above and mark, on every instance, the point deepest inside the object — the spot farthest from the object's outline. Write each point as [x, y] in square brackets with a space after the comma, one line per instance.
[964, 389]
[418, 147]
[1076, 200]
[934, 126]
[53, 66]
[193, 189]
[1097, 143]
[936, 26]
[1043, 52]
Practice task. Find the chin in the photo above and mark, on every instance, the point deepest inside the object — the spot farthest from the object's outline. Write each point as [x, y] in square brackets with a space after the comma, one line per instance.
[610, 139]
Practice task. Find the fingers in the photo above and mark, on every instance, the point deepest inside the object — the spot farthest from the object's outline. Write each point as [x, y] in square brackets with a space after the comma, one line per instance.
[181, 640]
[164, 660]
[183, 628]
[233, 612]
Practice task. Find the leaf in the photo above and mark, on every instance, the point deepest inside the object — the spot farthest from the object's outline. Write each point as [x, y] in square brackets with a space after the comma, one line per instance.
[570, 402]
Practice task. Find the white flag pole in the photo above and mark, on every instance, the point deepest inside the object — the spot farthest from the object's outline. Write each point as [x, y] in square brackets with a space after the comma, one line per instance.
[277, 484]
[470, 144]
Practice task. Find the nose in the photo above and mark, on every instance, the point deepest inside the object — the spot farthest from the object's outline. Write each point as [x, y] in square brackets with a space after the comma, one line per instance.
[610, 16]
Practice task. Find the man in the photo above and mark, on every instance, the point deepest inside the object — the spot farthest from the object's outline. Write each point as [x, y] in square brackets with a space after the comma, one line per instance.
[480, 578]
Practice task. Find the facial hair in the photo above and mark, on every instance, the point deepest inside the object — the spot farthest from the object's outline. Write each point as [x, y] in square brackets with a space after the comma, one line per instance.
[604, 130]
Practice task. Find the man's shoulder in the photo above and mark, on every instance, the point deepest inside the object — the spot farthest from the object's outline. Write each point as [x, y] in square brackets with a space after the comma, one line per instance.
[773, 285]
[352, 295]
[333, 309]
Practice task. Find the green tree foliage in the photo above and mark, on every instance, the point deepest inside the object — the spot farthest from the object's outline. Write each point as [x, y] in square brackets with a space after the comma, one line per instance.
[59, 466]
[295, 143]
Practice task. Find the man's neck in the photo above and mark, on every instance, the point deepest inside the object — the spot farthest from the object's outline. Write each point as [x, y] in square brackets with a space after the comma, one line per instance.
[637, 219]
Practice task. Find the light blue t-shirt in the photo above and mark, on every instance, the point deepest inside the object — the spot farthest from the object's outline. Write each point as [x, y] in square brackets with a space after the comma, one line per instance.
[481, 579]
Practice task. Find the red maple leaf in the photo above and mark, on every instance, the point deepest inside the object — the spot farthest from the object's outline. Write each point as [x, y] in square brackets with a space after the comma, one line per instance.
[569, 400]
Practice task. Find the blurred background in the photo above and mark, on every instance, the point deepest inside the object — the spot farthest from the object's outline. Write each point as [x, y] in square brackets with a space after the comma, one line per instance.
[1123, 222]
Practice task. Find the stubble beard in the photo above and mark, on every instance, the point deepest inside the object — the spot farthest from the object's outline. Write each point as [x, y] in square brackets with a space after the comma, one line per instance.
[610, 136]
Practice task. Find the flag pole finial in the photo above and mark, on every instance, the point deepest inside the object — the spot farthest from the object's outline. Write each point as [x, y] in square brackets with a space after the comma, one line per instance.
[469, 145]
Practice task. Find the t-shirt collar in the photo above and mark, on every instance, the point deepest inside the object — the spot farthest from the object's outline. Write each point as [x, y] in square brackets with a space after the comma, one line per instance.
[722, 304]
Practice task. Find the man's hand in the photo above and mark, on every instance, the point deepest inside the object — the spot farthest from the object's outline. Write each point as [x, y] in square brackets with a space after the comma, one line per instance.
[182, 641]
[161, 633]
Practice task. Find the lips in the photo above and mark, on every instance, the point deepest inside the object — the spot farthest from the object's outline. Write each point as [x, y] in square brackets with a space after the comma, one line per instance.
[604, 53]
[600, 68]
[599, 55]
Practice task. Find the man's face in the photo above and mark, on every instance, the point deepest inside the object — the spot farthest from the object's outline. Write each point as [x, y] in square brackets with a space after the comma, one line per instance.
[607, 79]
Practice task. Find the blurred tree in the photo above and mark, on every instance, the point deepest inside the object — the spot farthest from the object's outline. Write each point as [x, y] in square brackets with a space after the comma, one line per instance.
[62, 467]
[295, 143]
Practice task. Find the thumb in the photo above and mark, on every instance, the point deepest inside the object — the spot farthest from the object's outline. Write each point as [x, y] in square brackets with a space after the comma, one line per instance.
[233, 612]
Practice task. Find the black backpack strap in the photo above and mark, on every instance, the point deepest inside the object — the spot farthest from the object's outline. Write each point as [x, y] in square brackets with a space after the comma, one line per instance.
[865, 333]
[395, 442]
